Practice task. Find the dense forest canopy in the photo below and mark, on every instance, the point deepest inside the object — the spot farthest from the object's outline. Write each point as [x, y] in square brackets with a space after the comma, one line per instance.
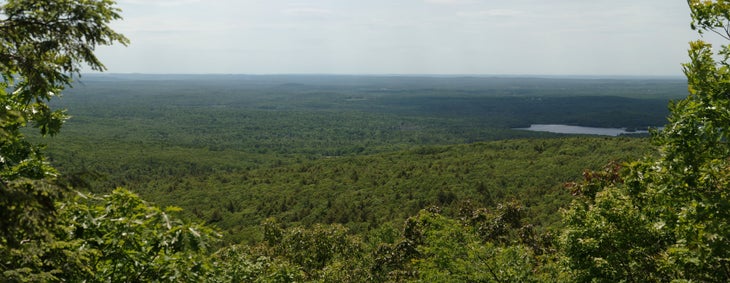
[351, 178]
[296, 147]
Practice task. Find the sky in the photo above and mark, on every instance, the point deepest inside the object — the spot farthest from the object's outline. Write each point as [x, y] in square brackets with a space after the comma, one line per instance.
[485, 37]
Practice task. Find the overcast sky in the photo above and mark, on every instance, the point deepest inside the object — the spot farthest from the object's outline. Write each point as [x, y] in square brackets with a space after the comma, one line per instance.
[517, 37]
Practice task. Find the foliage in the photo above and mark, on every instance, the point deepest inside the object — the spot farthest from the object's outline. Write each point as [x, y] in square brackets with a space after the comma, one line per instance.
[361, 192]
[431, 247]
[607, 237]
[124, 239]
[664, 218]
[117, 238]
[239, 263]
[322, 253]
[339, 162]
[42, 45]
[437, 248]
[355, 150]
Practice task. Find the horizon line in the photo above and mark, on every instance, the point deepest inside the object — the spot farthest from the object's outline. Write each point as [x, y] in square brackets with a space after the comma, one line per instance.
[475, 75]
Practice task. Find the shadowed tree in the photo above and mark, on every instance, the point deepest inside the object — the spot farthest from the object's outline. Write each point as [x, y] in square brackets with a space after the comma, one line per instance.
[43, 45]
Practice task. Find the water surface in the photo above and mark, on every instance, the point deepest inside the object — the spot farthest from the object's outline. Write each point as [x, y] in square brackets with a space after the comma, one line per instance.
[566, 129]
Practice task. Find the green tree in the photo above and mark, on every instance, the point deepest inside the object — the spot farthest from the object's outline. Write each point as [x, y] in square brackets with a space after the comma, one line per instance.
[665, 217]
[321, 253]
[121, 238]
[43, 45]
[436, 248]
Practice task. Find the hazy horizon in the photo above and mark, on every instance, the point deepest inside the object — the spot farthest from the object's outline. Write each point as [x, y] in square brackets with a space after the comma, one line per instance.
[547, 76]
[407, 37]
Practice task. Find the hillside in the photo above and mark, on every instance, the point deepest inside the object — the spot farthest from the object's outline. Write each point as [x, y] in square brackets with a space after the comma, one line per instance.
[232, 151]
[362, 191]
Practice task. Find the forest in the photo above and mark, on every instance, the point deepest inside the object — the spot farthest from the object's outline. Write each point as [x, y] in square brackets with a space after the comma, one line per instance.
[358, 151]
[357, 156]
[343, 178]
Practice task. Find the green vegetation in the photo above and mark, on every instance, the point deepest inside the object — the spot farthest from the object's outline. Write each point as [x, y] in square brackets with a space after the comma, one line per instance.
[665, 218]
[352, 179]
[42, 44]
[235, 150]
[121, 238]
[363, 192]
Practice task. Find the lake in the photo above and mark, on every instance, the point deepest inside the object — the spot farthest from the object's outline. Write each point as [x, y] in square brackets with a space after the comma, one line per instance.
[566, 129]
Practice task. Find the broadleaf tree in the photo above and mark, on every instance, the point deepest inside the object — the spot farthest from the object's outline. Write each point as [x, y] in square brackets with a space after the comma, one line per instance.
[119, 237]
[44, 44]
[664, 218]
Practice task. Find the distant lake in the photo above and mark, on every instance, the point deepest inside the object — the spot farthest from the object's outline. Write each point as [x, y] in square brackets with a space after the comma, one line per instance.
[565, 129]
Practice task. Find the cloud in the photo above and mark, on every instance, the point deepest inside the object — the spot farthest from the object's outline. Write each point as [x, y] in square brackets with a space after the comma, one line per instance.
[166, 3]
[156, 25]
[307, 11]
[493, 13]
[450, 2]
[386, 36]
